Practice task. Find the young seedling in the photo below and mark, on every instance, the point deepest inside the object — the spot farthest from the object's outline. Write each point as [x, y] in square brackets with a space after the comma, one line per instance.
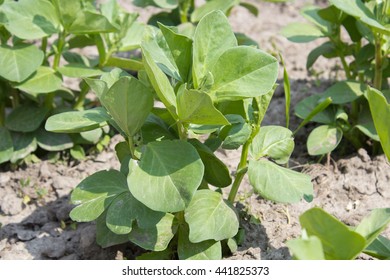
[167, 196]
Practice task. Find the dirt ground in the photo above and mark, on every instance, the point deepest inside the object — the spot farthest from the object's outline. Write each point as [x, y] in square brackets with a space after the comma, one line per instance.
[347, 188]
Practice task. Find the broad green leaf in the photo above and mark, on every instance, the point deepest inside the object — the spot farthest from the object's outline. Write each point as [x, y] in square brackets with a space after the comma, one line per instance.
[379, 248]
[53, 142]
[95, 193]
[159, 82]
[19, 62]
[307, 106]
[243, 72]
[26, 118]
[77, 152]
[155, 238]
[338, 241]
[250, 7]
[212, 37]
[244, 40]
[167, 176]
[261, 104]
[92, 136]
[311, 13]
[129, 102]
[30, 20]
[105, 237]
[44, 80]
[309, 248]
[125, 209]
[154, 128]
[132, 39]
[165, 4]
[236, 134]
[124, 63]
[360, 11]
[323, 140]
[344, 92]
[24, 144]
[372, 225]
[275, 142]
[325, 49]
[299, 32]
[75, 70]
[6, 146]
[216, 172]
[194, 106]
[380, 111]
[210, 6]
[181, 48]
[205, 250]
[279, 184]
[78, 121]
[365, 123]
[97, 86]
[209, 216]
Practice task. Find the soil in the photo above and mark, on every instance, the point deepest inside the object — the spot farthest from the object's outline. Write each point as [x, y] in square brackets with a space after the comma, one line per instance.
[34, 199]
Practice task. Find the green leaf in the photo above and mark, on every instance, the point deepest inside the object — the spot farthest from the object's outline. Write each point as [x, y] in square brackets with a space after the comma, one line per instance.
[325, 49]
[196, 107]
[209, 216]
[92, 136]
[212, 37]
[30, 19]
[19, 62]
[205, 250]
[277, 183]
[78, 121]
[129, 102]
[299, 32]
[236, 134]
[77, 152]
[275, 142]
[75, 70]
[155, 238]
[311, 13]
[372, 225]
[250, 7]
[309, 248]
[95, 193]
[167, 176]
[311, 108]
[380, 111]
[6, 146]
[323, 140]
[243, 72]
[379, 248]
[155, 128]
[365, 123]
[24, 144]
[360, 11]
[344, 92]
[26, 118]
[216, 172]
[180, 47]
[125, 209]
[53, 142]
[124, 63]
[105, 237]
[160, 255]
[210, 6]
[132, 39]
[338, 241]
[44, 80]
[159, 81]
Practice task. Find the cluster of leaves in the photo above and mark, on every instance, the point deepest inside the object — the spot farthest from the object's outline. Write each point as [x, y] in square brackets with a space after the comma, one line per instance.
[35, 36]
[326, 238]
[344, 108]
[167, 196]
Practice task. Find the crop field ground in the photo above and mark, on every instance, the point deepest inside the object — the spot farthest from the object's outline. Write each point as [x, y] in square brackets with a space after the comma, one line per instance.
[35, 198]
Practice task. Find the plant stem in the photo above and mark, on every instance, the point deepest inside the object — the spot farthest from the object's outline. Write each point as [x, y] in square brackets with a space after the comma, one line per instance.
[60, 47]
[132, 147]
[182, 131]
[101, 50]
[15, 98]
[44, 45]
[241, 171]
[49, 100]
[378, 62]
[81, 98]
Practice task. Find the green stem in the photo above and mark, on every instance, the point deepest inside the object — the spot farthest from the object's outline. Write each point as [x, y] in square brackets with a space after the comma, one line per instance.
[49, 100]
[81, 98]
[15, 98]
[60, 47]
[44, 44]
[378, 62]
[241, 171]
[101, 50]
[182, 131]
[345, 66]
[132, 148]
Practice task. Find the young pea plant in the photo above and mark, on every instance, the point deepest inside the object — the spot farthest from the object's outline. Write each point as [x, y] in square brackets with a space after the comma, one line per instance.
[343, 109]
[326, 238]
[195, 95]
[35, 37]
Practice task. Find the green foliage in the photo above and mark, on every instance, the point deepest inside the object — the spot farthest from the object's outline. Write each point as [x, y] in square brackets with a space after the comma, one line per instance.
[32, 78]
[161, 199]
[365, 60]
[325, 237]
